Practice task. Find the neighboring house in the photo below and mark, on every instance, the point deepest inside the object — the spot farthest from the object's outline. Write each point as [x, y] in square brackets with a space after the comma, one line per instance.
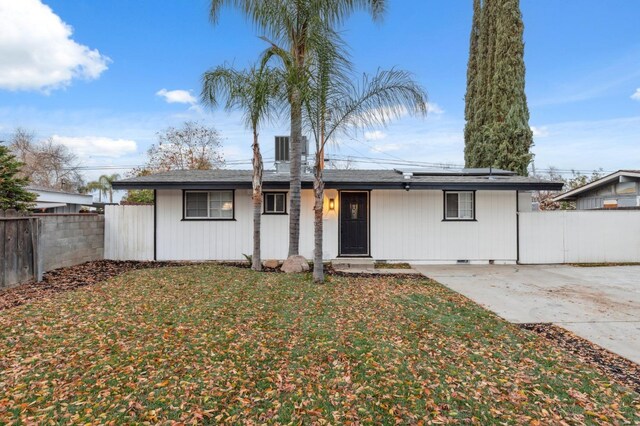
[54, 201]
[421, 216]
[617, 190]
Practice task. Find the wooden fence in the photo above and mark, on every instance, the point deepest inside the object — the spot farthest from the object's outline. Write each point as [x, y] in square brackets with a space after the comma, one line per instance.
[20, 257]
[31, 245]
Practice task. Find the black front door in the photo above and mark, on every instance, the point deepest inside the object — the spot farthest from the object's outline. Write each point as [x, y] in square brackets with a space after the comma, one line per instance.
[354, 223]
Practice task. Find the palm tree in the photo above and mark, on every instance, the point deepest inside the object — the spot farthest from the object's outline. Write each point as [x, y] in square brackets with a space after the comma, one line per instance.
[96, 186]
[256, 92]
[106, 181]
[337, 105]
[294, 29]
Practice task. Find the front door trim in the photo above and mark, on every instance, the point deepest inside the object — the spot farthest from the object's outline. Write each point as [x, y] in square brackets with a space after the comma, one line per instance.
[368, 204]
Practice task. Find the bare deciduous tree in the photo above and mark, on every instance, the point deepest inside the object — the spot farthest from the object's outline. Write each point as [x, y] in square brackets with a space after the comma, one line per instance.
[46, 163]
[190, 147]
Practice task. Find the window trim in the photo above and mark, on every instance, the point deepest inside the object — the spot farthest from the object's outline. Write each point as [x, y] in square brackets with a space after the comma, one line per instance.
[264, 203]
[201, 219]
[444, 206]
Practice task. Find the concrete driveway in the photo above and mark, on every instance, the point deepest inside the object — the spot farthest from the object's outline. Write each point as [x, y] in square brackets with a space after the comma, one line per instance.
[599, 304]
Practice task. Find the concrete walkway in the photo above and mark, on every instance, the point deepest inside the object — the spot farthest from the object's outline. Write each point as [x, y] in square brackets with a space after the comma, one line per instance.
[599, 304]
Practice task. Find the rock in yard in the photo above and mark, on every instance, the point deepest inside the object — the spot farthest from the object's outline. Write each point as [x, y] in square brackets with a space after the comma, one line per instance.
[295, 264]
[271, 263]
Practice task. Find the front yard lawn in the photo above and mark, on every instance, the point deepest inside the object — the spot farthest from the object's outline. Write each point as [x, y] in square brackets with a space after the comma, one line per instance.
[219, 344]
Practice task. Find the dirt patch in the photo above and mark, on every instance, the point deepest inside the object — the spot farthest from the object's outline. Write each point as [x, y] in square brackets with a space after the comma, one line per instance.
[385, 265]
[330, 270]
[70, 278]
[613, 366]
[599, 299]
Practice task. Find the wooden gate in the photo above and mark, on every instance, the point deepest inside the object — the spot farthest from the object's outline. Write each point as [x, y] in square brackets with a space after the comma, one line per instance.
[19, 255]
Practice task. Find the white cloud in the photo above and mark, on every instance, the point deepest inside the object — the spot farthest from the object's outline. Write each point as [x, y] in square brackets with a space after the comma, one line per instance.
[37, 50]
[636, 95]
[97, 146]
[177, 96]
[540, 131]
[386, 147]
[375, 135]
[434, 108]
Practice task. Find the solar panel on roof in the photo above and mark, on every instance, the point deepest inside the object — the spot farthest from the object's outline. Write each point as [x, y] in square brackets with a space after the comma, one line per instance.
[457, 172]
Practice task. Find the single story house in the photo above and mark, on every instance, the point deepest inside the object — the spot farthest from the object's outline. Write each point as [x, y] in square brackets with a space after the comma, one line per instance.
[465, 216]
[55, 201]
[617, 190]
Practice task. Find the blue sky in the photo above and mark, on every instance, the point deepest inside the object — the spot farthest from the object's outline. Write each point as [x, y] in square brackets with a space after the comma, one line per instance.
[95, 87]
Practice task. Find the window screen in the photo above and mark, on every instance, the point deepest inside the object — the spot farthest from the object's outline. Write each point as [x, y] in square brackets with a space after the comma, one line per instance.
[196, 204]
[459, 205]
[209, 205]
[275, 202]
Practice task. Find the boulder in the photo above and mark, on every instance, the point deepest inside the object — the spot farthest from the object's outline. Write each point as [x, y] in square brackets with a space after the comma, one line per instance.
[295, 264]
[271, 263]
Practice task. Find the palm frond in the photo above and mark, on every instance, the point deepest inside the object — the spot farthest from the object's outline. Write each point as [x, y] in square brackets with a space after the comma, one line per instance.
[257, 92]
[375, 101]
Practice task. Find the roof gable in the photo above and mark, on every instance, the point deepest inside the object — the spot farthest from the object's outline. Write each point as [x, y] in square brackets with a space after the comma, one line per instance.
[613, 177]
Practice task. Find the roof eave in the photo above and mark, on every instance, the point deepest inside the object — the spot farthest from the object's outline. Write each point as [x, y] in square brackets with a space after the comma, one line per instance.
[520, 186]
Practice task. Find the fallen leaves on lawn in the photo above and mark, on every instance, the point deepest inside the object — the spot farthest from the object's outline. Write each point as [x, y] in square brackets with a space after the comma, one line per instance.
[72, 277]
[215, 344]
[621, 369]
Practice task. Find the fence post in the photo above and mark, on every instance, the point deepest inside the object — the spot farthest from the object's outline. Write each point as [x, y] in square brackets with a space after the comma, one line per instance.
[38, 253]
[11, 250]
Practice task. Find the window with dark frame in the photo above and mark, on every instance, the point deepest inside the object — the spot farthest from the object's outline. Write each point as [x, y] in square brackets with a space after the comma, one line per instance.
[213, 205]
[459, 205]
[275, 203]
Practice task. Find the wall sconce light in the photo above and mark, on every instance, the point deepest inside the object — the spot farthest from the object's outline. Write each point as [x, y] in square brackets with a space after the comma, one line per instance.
[407, 186]
[332, 204]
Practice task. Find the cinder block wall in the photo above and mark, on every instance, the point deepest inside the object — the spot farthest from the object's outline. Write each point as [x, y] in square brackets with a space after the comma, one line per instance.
[70, 239]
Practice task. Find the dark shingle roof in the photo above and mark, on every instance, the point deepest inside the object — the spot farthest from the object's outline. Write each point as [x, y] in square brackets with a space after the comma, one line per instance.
[334, 179]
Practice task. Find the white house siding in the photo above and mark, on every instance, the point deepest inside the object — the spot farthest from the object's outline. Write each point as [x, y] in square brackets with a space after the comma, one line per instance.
[229, 240]
[408, 226]
[405, 226]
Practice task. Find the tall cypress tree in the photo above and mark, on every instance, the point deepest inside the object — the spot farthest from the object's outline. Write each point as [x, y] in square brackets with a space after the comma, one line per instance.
[511, 136]
[472, 81]
[498, 132]
[13, 194]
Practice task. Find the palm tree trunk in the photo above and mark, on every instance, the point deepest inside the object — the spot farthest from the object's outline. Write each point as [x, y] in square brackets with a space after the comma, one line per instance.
[256, 261]
[110, 196]
[318, 192]
[296, 172]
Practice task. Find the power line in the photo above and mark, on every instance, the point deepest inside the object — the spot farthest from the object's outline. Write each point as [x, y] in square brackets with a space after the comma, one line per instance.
[373, 160]
[133, 166]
